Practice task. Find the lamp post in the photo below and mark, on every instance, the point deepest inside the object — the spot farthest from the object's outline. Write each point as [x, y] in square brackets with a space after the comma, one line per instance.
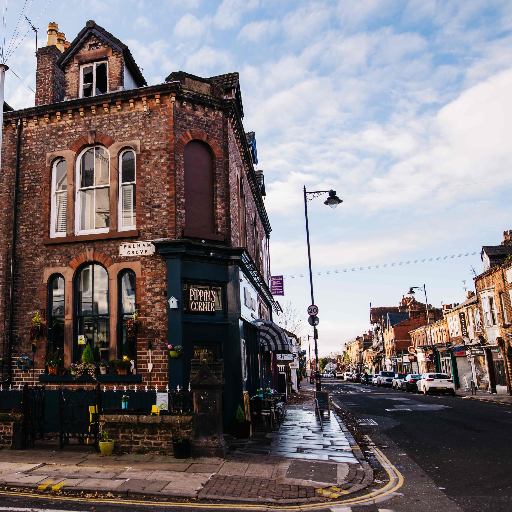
[411, 292]
[333, 201]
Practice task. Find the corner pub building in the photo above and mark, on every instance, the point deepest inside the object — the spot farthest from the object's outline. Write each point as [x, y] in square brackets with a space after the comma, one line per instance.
[118, 197]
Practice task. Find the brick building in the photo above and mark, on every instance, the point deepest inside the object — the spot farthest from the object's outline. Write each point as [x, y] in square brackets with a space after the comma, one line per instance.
[117, 197]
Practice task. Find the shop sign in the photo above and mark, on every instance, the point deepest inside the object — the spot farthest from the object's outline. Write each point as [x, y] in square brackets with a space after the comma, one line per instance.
[248, 300]
[294, 366]
[277, 285]
[463, 325]
[459, 353]
[412, 358]
[137, 249]
[202, 299]
[284, 357]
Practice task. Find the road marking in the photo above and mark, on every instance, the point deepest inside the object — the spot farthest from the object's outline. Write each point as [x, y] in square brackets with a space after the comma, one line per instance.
[398, 409]
[15, 509]
[44, 485]
[58, 486]
[366, 421]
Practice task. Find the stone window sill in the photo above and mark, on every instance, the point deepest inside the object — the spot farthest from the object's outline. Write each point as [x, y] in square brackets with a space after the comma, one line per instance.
[96, 236]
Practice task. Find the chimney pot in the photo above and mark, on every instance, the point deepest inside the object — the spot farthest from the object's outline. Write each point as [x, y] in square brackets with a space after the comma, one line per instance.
[53, 28]
[66, 45]
[61, 37]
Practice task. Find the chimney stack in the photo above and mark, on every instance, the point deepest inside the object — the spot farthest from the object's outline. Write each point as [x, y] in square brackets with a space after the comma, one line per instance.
[61, 38]
[52, 31]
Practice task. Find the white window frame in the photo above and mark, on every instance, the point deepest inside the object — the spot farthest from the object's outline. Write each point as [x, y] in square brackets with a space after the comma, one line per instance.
[93, 64]
[120, 191]
[53, 233]
[504, 311]
[78, 205]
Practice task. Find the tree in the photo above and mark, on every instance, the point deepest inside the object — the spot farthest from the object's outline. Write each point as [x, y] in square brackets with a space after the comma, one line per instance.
[323, 363]
[291, 319]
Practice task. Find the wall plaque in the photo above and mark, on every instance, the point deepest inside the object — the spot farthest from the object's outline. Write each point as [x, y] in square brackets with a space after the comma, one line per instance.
[136, 249]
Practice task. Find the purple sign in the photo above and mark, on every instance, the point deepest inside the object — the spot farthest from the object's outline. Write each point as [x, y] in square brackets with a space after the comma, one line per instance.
[277, 285]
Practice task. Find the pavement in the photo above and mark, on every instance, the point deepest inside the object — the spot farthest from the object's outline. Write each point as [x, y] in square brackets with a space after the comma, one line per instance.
[485, 396]
[298, 463]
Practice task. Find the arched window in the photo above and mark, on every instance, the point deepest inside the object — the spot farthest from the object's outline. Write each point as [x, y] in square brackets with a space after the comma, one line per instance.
[55, 313]
[59, 198]
[92, 312]
[127, 345]
[199, 207]
[127, 190]
[93, 191]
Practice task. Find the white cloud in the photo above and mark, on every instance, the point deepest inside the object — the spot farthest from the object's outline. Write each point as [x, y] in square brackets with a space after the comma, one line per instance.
[188, 26]
[259, 31]
[207, 61]
[229, 14]
[142, 22]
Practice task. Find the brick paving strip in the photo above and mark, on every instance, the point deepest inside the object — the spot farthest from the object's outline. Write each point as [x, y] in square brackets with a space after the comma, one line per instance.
[300, 463]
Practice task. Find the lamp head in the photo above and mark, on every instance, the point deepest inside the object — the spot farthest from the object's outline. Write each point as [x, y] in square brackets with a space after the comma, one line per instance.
[411, 291]
[333, 200]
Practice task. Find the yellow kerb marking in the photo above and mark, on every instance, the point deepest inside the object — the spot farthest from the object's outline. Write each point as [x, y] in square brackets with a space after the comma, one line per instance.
[58, 486]
[44, 485]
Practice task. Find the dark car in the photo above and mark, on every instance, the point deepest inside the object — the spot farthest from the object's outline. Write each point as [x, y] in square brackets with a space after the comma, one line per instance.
[366, 378]
[410, 382]
[356, 377]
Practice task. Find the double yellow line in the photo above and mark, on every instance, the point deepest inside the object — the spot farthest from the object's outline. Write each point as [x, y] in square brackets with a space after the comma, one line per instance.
[396, 481]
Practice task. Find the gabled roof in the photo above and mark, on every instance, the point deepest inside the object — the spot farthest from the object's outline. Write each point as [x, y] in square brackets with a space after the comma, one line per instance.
[497, 250]
[92, 28]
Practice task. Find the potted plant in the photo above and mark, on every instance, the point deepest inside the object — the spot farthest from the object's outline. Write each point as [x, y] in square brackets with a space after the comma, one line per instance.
[103, 366]
[175, 350]
[106, 444]
[240, 427]
[123, 365]
[181, 448]
[259, 392]
[268, 391]
[124, 401]
[37, 328]
[73, 368]
[53, 360]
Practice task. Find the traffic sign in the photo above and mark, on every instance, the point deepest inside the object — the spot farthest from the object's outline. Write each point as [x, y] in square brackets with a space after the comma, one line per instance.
[313, 320]
[313, 310]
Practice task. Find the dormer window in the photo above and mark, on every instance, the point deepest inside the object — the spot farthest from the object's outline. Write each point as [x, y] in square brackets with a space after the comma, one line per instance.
[93, 79]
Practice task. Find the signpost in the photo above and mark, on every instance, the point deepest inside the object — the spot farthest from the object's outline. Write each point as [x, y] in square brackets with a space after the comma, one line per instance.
[312, 310]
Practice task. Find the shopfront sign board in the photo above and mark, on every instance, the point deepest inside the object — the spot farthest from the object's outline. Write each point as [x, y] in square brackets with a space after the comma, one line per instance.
[285, 357]
[248, 300]
[277, 285]
[136, 249]
[201, 299]
[463, 325]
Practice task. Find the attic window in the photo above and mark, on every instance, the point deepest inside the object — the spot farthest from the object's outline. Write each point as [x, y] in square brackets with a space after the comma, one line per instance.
[93, 79]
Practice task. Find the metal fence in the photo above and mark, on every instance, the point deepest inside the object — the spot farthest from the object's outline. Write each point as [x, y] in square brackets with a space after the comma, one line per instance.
[141, 402]
[10, 400]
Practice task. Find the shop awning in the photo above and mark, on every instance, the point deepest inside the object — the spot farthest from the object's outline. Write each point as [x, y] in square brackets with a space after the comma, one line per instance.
[272, 337]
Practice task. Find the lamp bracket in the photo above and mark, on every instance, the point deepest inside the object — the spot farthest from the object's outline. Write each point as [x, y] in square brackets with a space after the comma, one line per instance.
[314, 194]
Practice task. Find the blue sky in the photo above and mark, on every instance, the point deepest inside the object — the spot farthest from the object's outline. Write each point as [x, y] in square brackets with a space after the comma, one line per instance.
[403, 107]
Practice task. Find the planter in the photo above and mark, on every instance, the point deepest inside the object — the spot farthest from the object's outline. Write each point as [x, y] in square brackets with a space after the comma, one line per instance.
[124, 405]
[53, 370]
[103, 370]
[73, 372]
[122, 371]
[181, 449]
[106, 447]
[240, 429]
[174, 354]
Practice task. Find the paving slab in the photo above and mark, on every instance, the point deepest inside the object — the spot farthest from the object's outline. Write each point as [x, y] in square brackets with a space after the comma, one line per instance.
[22, 479]
[203, 468]
[234, 468]
[99, 484]
[185, 484]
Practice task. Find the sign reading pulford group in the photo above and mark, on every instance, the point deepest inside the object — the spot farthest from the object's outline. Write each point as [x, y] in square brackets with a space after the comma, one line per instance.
[137, 249]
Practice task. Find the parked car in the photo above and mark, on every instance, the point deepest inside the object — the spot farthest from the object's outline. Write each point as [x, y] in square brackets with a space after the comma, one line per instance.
[397, 380]
[385, 378]
[410, 382]
[347, 375]
[374, 380]
[356, 377]
[366, 378]
[436, 382]
[339, 375]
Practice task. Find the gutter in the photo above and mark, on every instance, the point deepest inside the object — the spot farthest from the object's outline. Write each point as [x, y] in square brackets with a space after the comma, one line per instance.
[13, 255]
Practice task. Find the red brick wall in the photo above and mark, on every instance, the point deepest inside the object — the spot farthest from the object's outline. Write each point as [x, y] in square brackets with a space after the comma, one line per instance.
[49, 77]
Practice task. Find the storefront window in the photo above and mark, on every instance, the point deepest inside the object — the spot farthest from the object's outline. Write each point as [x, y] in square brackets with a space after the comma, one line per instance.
[92, 311]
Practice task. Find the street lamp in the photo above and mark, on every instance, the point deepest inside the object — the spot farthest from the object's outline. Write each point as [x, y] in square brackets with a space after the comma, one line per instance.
[333, 201]
[411, 293]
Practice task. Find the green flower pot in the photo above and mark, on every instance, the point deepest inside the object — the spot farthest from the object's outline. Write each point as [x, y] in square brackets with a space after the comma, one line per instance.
[174, 354]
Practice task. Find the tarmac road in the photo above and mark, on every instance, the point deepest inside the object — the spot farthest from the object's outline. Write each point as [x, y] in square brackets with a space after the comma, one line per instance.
[454, 454]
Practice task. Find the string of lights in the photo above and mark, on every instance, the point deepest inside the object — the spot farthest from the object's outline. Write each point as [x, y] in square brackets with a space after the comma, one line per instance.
[384, 265]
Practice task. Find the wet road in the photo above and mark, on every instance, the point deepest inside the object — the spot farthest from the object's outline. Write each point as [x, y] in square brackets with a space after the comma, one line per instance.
[454, 454]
